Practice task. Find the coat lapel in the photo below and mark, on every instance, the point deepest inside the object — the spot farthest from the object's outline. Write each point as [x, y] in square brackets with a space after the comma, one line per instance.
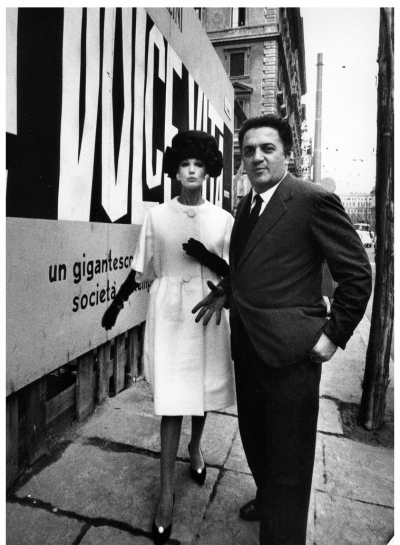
[240, 216]
[274, 210]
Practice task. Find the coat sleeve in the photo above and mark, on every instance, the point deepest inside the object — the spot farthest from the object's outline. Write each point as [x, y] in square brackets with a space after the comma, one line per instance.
[348, 263]
[225, 283]
[143, 259]
[227, 238]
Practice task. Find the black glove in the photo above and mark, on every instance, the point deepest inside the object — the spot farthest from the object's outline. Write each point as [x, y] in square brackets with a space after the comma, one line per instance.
[196, 249]
[111, 315]
[127, 288]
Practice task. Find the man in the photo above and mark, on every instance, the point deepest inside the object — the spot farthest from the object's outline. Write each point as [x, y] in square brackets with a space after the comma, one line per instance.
[280, 334]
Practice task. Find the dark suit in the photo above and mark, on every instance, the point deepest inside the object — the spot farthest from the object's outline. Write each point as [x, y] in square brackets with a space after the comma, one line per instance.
[277, 316]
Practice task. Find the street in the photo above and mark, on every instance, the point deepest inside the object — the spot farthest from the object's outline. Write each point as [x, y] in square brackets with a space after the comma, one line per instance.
[102, 483]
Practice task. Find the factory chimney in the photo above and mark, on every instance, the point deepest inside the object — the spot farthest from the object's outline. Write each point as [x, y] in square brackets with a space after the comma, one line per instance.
[318, 121]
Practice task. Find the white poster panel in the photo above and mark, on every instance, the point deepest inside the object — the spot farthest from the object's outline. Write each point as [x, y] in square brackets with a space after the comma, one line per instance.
[56, 301]
[99, 93]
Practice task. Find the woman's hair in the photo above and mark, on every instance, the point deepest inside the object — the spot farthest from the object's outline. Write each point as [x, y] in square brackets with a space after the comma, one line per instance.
[193, 145]
[274, 122]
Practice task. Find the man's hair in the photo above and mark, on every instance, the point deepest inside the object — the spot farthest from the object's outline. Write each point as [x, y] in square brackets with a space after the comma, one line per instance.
[274, 122]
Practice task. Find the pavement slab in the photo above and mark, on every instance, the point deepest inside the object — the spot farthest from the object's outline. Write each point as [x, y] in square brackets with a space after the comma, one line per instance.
[122, 424]
[354, 470]
[112, 536]
[329, 419]
[129, 419]
[97, 483]
[119, 487]
[221, 524]
[311, 518]
[219, 433]
[343, 521]
[236, 460]
[229, 410]
[30, 525]
[342, 376]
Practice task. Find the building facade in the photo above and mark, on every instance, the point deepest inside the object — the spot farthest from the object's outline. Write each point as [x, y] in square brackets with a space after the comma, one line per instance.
[262, 51]
[307, 151]
[360, 207]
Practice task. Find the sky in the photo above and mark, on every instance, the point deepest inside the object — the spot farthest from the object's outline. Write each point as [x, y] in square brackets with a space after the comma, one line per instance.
[348, 39]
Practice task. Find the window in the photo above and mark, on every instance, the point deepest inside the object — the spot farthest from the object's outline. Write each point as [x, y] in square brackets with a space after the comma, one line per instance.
[238, 17]
[237, 160]
[237, 64]
[243, 103]
[198, 12]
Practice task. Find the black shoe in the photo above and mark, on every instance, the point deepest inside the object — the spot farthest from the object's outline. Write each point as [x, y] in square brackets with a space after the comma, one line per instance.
[196, 476]
[158, 537]
[250, 511]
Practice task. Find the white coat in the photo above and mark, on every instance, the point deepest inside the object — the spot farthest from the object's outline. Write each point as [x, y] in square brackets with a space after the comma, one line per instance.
[188, 365]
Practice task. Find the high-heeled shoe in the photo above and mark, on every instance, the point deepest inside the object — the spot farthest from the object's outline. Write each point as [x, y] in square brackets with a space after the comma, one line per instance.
[196, 476]
[158, 537]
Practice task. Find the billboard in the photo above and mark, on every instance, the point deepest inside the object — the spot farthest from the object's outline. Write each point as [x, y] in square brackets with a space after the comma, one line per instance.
[94, 95]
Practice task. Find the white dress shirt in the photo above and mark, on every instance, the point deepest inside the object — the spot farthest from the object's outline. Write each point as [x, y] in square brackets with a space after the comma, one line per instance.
[266, 196]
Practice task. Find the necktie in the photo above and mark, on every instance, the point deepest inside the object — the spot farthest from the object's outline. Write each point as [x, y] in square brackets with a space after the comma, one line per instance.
[255, 213]
[248, 226]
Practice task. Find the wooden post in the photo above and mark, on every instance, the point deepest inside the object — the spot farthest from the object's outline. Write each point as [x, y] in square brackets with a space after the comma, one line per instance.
[103, 362]
[129, 358]
[36, 419]
[119, 363]
[12, 438]
[85, 386]
[141, 347]
[133, 351]
[376, 375]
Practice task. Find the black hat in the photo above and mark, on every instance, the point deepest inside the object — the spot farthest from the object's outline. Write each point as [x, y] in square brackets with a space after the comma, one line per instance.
[193, 145]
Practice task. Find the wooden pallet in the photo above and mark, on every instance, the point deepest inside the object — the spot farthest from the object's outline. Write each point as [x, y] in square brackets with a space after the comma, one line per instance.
[32, 410]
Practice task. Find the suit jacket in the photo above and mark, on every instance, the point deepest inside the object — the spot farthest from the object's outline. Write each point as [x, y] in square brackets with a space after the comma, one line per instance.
[275, 286]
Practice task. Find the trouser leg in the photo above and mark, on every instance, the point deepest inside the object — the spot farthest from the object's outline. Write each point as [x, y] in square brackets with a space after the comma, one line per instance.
[292, 402]
[278, 412]
[251, 416]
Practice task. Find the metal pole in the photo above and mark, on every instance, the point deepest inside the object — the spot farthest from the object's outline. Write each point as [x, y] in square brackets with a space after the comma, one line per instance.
[318, 123]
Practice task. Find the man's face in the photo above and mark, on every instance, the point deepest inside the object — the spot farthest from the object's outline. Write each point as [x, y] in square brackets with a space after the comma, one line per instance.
[263, 157]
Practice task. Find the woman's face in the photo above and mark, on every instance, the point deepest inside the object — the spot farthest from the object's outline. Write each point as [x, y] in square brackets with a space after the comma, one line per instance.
[191, 173]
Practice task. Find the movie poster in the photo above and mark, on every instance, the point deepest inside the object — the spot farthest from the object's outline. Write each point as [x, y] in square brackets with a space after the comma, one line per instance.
[94, 95]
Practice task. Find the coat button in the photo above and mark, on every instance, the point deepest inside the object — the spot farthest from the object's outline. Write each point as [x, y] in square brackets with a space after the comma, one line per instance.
[191, 213]
[186, 277]
[236, 292]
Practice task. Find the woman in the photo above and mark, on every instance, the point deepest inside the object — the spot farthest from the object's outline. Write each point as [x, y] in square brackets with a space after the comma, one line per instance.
[189, 367]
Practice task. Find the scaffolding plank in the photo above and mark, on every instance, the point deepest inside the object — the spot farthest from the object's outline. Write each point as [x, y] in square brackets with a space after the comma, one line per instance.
[103, 364]
[12, 438]
[131, 364]
[85, 386]
[119, 363]
[36, 419]
[60, 403]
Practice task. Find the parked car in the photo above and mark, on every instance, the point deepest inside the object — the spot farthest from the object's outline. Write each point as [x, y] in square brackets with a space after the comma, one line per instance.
[364, 233]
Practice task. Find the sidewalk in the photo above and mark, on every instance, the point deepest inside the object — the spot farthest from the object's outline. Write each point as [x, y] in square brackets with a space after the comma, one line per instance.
[101, 485]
